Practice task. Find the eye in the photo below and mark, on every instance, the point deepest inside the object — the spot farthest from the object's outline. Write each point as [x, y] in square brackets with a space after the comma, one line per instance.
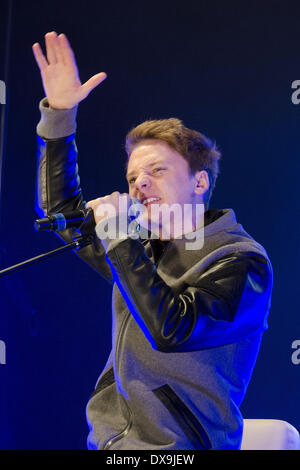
[155, 170]
[158, 169]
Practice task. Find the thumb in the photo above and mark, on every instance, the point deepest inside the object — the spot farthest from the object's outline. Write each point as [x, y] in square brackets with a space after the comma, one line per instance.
[94, 81]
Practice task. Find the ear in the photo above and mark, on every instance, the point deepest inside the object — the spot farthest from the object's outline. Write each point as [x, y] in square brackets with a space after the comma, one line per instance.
[201, 182]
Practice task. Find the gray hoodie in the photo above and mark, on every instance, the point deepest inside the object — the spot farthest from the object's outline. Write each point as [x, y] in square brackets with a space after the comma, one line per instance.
[186, 324]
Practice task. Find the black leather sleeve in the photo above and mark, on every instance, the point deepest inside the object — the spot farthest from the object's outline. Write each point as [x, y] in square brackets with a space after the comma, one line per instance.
[58, 190]
[229, 302]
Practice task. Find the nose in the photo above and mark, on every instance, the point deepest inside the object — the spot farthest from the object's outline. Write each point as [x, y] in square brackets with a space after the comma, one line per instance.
[143, 183]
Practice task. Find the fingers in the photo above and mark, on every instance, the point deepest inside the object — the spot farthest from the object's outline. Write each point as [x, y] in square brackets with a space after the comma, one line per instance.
[58, 50]
[93, 82]
[39, 56]
[113, 199]
[93, 203]
[50, 47]
[66, 50]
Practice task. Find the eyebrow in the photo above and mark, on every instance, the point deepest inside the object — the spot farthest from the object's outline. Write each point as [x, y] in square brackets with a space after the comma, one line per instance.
[157, 162]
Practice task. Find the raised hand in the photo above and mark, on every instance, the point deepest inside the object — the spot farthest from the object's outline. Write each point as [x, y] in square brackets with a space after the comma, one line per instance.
[59, 73]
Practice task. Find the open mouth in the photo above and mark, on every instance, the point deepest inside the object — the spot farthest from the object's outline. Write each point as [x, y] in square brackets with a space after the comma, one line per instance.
[150, 200]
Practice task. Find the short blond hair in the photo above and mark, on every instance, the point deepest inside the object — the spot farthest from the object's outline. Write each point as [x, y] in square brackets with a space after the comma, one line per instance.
[198, 150]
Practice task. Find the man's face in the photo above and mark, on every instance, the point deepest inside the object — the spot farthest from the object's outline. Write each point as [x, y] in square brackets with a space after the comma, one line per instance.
[157, 174]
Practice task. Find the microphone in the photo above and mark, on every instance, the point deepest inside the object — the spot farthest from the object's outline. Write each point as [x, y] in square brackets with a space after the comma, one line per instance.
[74, 219]
[62, 221]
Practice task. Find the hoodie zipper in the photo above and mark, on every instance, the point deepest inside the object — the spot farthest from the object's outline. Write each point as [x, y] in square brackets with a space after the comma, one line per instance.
[187, 421]
[127, 428]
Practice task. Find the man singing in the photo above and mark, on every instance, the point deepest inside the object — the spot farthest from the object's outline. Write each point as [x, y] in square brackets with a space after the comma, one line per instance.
[187, 320]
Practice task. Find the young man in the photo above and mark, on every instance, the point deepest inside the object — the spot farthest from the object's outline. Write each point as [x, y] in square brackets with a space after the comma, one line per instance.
[187, 323]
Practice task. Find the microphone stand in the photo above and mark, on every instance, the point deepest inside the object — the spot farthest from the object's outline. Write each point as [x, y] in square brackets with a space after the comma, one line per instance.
[79, 242]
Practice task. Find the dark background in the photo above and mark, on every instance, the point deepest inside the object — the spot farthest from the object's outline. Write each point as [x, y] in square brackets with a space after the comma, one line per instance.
[224, 68]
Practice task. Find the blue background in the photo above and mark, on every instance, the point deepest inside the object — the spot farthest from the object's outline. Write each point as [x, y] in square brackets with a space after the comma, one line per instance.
[224, 68]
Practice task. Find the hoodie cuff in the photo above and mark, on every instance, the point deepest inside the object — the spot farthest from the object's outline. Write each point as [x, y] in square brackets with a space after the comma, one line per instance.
[56, 123]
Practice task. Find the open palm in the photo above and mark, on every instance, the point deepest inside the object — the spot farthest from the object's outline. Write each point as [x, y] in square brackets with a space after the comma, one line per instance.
[60, 74]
